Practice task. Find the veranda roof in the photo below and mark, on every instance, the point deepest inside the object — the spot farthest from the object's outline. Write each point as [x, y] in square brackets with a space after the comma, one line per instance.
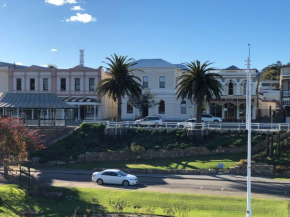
[32, 101]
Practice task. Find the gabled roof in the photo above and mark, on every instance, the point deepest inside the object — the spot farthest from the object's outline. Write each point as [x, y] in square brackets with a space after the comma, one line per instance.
[11, 65]
[32, 100]
[152, 63]
[81, 67]
[232, 68]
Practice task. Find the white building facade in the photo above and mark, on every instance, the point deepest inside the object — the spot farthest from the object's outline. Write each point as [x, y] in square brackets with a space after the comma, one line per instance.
[159, 77]
[75, 86]
[232, 106]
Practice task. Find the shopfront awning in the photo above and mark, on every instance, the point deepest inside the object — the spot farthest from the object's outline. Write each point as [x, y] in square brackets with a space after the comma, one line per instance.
[80, 99]
[32, 101]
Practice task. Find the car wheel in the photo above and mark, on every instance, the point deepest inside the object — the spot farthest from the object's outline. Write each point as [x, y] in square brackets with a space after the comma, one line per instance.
[126, 183]
[216, 121]
[181, 126]
[100, 181]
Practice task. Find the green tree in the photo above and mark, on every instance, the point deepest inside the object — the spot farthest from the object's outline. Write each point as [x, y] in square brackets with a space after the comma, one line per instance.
[143, 102]
[272, 72]
[121, 81]
[137, 150]
[199, 84]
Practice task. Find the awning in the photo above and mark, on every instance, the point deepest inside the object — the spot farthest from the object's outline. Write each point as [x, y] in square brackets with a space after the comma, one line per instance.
[32, 101]
[80, 99]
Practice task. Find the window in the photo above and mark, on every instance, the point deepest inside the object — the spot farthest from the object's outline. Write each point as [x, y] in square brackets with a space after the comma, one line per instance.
[45, 84]
[145, 82]
[18, 84]
[161, 106]
[32, 84]
[14, 111]
[245, 88]
[91, 84]
[77, 84]
[106, 173]
[63, 84]
[129, 107]
[183, 107]
[162, 82]
[231, 88]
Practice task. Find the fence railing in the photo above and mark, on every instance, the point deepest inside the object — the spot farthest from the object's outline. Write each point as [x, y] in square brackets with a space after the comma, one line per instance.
[219, 126]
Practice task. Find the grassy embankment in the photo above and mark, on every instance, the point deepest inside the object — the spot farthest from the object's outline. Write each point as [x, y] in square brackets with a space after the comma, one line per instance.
[198, 162]
[14, 200]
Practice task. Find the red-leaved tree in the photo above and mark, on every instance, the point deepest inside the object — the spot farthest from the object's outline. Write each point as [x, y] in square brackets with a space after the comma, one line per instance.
[16, 142]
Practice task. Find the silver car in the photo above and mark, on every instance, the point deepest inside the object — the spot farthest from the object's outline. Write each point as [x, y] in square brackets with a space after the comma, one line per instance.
[189, 123]
[114, 176]
[149, 121]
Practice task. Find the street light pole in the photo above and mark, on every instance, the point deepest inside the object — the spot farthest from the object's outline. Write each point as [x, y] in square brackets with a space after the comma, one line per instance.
[249, 112]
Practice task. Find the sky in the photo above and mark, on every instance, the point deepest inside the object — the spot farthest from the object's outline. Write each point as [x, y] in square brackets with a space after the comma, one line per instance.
[40, 32]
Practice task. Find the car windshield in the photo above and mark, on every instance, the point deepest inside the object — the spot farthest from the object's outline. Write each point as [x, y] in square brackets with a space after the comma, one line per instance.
[122, 173]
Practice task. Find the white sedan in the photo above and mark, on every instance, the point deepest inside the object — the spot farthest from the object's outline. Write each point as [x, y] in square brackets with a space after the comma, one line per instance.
[190, 122]
[113, 176]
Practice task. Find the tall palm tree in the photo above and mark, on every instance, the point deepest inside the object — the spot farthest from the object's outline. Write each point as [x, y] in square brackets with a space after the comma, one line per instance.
[198, 84]
[121, 81]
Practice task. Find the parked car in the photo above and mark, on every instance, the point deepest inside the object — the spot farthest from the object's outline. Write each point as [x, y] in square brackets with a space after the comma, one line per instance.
[210, 118]
[149, 121]
[188, 123]
[113, 176]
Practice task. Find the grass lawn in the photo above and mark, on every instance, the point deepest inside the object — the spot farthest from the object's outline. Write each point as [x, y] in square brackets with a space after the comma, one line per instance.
[199, 162]
[98, 199]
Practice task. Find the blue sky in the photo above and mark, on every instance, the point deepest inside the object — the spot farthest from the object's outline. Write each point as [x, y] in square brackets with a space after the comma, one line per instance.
[175, 30]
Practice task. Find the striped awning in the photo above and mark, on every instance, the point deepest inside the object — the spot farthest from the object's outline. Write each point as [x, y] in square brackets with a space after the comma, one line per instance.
[80, 99]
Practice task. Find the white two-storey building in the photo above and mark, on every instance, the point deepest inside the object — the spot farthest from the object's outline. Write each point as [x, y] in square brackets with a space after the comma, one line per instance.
[232, 106]
[159, 77]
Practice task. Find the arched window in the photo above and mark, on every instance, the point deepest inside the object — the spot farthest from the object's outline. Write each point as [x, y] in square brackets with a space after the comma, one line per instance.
[231, 88]
[245, 88]
[129, 107]
[161, 106]
[183, 107]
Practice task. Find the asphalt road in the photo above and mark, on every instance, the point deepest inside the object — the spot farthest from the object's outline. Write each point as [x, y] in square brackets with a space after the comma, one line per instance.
[198, 184]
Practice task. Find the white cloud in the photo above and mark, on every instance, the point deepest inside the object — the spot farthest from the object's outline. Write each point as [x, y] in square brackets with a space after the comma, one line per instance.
[77, 8]
[60, 2]
[4, 6]
[19, 63]
[45, 65]
[84, 18]
[53, 50]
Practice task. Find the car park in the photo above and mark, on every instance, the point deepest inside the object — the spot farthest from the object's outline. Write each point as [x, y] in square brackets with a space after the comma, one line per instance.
[149, 121]
[114, 176]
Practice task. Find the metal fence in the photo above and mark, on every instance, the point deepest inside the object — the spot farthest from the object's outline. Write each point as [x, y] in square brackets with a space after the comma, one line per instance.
[218, 126]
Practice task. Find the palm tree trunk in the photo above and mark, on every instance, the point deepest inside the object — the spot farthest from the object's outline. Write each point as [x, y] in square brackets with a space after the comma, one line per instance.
[119, 114]
[198, 114]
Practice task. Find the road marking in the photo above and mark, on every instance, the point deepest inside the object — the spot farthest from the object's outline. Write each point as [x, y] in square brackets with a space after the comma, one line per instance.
[222, 189]
[201, 187]
[285, 192]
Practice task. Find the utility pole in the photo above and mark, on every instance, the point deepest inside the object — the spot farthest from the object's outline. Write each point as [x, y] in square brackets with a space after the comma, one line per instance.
[249, 120]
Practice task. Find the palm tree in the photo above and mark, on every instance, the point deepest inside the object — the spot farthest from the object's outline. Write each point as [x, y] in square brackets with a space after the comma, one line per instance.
[198, 84]
[121, 82]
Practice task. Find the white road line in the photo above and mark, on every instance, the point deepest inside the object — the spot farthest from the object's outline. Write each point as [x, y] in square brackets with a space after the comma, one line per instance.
[222, 189]
[285, 192]
[201, 187]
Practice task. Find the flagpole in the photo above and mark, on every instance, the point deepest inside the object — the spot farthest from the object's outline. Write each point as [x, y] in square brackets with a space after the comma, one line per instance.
[249, 109]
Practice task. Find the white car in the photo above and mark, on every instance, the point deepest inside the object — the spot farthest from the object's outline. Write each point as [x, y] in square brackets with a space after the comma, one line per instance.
[149, 121]
[210, 118]
[190, 122]
[114, 176]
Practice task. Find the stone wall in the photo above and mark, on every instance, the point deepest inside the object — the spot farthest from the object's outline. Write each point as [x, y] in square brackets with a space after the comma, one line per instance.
[155, 154]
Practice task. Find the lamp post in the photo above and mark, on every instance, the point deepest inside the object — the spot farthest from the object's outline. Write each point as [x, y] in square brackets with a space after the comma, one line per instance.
[249, 112]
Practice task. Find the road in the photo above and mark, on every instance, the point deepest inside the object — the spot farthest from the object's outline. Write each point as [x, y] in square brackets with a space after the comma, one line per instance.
[227, 185]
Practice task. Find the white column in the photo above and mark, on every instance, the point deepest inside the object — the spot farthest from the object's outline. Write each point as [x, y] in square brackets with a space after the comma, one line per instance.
[17, 112]
[3, 112]
[47, 113]
[62, 114]
[223, 112]
[79, 113]
[32, 115]
[95, 112]
[238, 111]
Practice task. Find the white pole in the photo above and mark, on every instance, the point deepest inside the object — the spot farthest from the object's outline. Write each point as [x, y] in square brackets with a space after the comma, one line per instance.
[249, 112]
